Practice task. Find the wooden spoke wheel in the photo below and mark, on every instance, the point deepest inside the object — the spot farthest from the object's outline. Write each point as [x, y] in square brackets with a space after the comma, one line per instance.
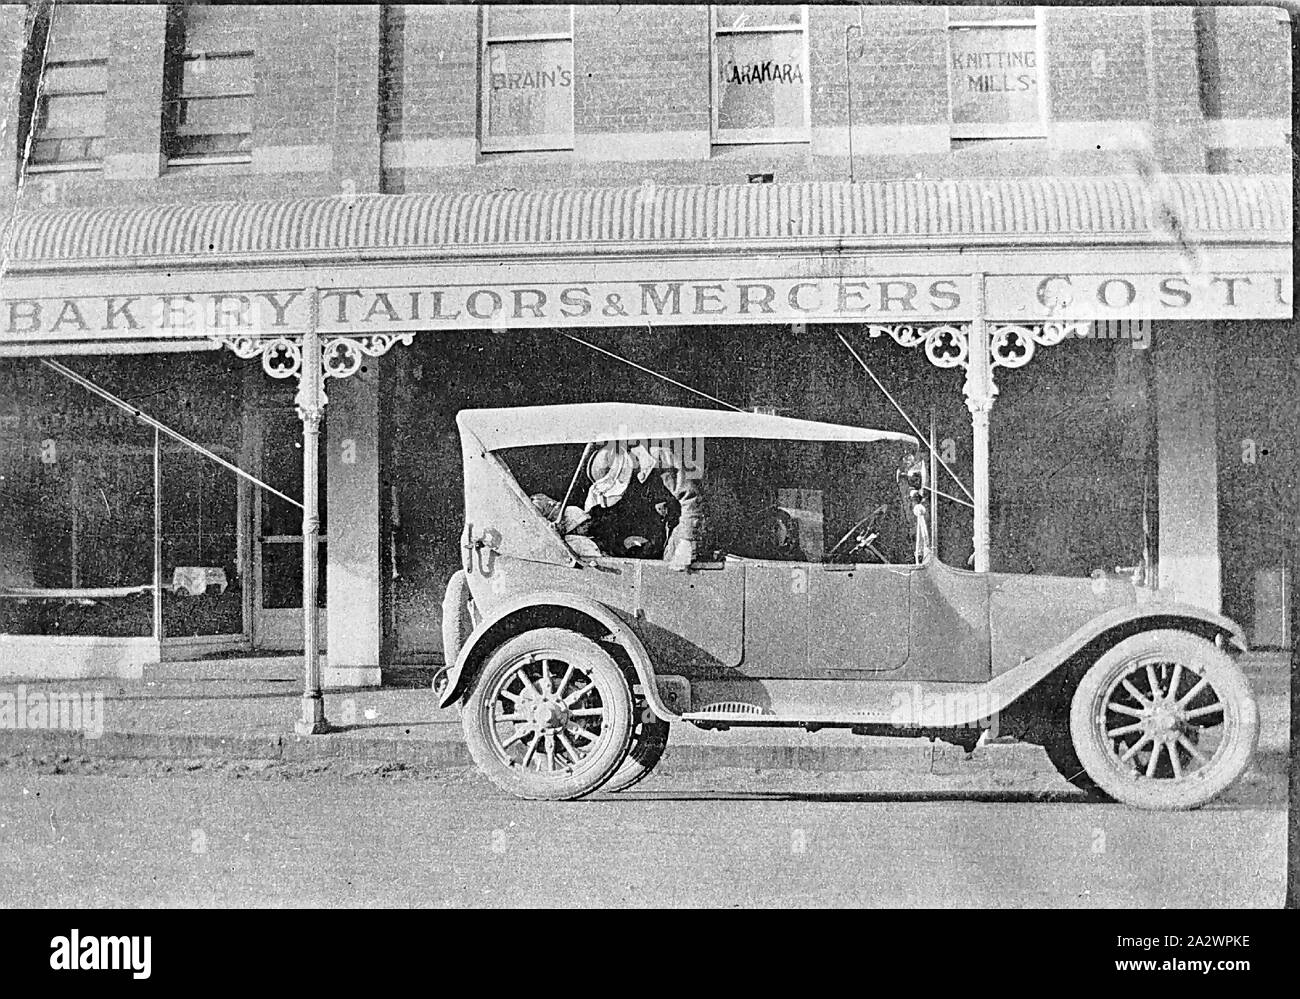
[550, 716]
[1164, 720]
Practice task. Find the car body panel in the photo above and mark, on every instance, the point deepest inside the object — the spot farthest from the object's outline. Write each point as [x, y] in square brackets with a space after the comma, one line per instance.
[892, 703]
[1028, 612]
[859, 619]
[480, 642]
[1009, 684]
[949, 624]
[702, 611]
[751, 641]
[500, 519]
[886, 701]
[777, 609]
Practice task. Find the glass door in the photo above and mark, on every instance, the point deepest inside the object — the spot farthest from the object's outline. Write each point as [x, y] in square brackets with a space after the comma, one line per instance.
[203, 560]
[277, 533]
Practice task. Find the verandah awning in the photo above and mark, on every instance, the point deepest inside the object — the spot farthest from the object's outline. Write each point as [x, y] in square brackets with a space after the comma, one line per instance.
[1193, 246]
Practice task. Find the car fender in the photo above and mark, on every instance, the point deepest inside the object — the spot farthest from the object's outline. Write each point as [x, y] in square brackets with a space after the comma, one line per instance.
[457, 615]
[1109, 628]
[480, 641]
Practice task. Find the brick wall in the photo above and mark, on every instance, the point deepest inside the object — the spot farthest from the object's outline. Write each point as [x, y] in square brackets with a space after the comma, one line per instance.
[372, 98]
[294, 105]
[356, 128]
[135, 93]
[430, 74]
[899, 77]
[1097, 63]
[1244, 63]
[315, 122]
[1247, 62]
[641, 69]
[12, 25]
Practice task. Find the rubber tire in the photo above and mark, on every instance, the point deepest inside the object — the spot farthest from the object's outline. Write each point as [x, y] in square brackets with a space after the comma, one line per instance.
[1241, 718]
[649, 741]
[610, 682]
[1060, 750]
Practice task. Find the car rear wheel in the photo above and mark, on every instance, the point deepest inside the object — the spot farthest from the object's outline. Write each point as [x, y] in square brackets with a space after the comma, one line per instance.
[1164, 720]
[649, 740]
[550, 716]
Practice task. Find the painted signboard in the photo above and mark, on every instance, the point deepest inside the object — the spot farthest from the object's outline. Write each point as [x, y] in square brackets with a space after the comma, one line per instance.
[708, 299]
[994, 75]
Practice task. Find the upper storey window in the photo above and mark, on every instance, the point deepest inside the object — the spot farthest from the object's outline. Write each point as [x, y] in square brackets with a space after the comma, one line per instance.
[996, 72]
[68, 119]
[208, 112]
[527, 77]
[760, 74]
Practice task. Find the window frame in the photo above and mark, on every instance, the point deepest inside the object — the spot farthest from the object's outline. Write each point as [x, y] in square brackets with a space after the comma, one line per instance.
[547, 142]
[40, 93]
[719, 136]
[1008, 129]
[175, 58]
[40, 134]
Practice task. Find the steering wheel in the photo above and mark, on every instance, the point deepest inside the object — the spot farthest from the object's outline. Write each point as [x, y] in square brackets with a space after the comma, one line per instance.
[864, 536]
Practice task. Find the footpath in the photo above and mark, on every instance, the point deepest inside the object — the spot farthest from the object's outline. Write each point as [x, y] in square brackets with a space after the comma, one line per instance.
[181, 713]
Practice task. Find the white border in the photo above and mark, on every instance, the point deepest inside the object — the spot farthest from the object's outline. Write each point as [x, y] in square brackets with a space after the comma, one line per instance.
[553, 141]
[755, 136]
[1008, 129]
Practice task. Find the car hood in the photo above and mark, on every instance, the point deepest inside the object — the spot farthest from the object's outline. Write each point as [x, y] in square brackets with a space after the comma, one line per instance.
[1028, 613]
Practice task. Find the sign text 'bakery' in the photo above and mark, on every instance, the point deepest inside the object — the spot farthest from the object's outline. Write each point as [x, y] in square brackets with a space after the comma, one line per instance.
[879, 298]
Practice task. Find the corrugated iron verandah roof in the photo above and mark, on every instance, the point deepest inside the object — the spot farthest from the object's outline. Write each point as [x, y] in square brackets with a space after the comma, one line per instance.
[932, 213]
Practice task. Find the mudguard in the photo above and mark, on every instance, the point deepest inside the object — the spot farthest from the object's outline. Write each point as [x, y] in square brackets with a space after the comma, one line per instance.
[457, 619]
[1122, 621]
[480, 641]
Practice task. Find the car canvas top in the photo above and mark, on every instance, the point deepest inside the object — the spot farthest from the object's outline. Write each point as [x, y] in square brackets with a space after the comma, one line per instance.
[584, 423]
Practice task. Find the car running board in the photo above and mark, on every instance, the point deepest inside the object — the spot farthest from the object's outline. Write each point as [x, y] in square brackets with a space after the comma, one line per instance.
[737, 713]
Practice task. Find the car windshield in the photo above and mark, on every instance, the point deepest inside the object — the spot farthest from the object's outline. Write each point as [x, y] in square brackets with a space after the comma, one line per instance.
[761, 499]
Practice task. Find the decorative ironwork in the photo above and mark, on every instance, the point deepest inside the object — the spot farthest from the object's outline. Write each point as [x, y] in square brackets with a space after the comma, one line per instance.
[1011, 345]
[945, 345]
[281, 356]
[341, 356]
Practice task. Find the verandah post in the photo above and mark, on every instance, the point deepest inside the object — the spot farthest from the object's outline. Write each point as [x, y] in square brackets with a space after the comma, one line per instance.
[980, 392]
[311, 409]
[157, 604]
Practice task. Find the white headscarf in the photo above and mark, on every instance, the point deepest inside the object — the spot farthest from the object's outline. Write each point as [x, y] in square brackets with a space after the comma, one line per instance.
[619, 462]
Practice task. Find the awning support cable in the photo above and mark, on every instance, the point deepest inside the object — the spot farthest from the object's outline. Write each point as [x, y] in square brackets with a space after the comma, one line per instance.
[148, 420]
[919, 436]
[649, 371]
[723, 402]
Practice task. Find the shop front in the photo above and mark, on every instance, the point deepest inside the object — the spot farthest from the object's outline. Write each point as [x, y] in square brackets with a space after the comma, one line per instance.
[1059, 334]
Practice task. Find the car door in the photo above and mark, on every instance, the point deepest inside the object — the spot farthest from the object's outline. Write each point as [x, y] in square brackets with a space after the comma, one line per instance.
[776, 618]
[859, 619]
[693, 618]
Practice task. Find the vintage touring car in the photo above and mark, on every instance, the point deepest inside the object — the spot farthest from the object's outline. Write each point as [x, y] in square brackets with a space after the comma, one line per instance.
[629, 567]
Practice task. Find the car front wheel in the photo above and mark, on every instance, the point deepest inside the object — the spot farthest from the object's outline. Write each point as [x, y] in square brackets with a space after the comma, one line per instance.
[1164, 720]
[550, 716]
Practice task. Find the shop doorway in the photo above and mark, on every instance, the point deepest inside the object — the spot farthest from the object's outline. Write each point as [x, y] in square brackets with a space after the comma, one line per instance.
[276, 441]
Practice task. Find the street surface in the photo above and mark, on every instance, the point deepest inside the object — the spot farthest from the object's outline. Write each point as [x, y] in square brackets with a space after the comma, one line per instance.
[136, 833]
